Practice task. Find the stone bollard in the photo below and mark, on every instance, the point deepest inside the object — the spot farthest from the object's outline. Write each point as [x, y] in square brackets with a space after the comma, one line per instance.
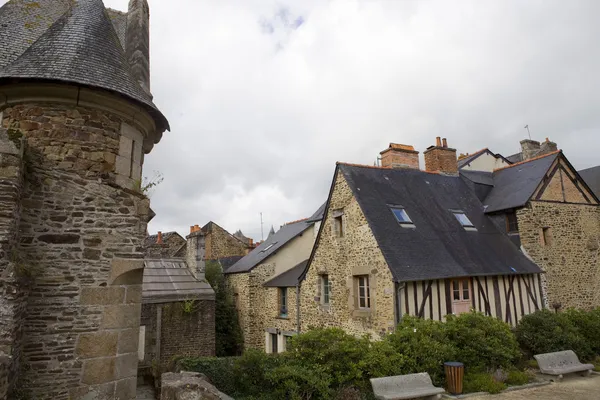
[188, 386]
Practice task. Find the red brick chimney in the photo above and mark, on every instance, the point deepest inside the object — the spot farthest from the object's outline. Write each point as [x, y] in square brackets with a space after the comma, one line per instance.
[441, 158]
[400, 156]
[159, 239]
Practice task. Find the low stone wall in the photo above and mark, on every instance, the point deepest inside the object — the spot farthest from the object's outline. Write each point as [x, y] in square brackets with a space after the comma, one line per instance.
[188, 386]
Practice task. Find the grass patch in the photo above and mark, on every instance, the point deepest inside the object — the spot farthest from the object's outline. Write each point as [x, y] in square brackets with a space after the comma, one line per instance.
[482, 382]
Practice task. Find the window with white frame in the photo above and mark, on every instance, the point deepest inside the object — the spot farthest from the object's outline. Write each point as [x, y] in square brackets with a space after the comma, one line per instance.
[324, 289]
[463, 219]
[363, 298]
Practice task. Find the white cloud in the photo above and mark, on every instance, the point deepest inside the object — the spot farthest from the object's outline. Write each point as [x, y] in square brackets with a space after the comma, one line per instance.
[259, 116]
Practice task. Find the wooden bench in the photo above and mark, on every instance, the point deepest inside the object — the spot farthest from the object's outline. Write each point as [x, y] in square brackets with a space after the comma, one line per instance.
[560, 363]
[405, 387]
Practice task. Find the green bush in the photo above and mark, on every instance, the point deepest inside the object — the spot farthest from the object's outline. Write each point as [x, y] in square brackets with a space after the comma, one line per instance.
[588, 324]
[546, 332]
[517, 378]
[482, 343]
[424, 345]
[218, 370]
[250, 371]
[481, 382]
[296, 382]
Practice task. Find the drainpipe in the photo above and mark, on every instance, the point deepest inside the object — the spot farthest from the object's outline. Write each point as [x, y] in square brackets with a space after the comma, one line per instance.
[401, 288]
[298, 308]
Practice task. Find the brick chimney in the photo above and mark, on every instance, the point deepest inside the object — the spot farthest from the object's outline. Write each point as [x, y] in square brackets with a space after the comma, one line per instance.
[400, 156]
[137, 42]
[441, 158]
[159, 238]
[195, 249]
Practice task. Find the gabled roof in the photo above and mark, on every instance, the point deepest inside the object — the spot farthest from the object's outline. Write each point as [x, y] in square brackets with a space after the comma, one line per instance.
[273, 243]
[169, 280]
[438, 247]
[288, 278]
[591, 176]
[514, 185]
[515, 158]
[240, 238]
[227, 262]
[68, 41]
[470, 158]
[151, 239]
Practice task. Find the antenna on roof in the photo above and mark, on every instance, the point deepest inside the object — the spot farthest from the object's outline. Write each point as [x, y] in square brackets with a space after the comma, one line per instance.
[262, 235]
[529, 133]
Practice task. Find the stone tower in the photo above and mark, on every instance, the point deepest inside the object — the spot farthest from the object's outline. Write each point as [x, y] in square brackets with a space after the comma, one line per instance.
[76, 119]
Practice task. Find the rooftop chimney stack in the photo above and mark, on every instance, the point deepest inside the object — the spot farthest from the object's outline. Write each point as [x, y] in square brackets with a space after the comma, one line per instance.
[529, 149]
[195, 250]
[159, 238]
[441, 158]
[400, 156]
[548, 147]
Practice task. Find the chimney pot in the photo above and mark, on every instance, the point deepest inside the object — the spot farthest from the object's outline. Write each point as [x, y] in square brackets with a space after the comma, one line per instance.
[159, 238]
[191, 228]
[196, 228]
[444, 142]
[438, 141]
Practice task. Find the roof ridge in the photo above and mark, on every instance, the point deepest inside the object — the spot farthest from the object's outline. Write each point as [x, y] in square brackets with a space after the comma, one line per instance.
[474, 154]
[296, 221]
[531, 159]
[361, 165]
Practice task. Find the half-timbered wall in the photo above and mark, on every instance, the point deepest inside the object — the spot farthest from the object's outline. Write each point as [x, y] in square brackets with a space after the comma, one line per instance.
[507, 297]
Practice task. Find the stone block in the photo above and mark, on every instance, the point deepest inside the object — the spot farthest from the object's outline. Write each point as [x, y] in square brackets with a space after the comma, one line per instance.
[125, 147]
[126, 389]
[138, 153]
[102, 295]
[102, 344]
[98, 392]
[123, 166]
[127, 365]
[131, 133]
[128, 341]
[134, 294]
[99, 370]
[121, 266]
[136, 172]
[188, 385]
[121, 316]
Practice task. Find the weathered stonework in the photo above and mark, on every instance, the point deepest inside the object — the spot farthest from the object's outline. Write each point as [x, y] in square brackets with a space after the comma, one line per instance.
[341, 258]
[571, 259]
[220, 243]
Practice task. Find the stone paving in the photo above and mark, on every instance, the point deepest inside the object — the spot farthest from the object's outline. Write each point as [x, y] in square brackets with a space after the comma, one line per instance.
[146, 392]
[572, 387]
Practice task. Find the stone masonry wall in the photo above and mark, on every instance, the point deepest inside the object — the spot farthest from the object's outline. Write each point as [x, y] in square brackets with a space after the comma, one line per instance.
[571, 259]
[219, 244]
[356, 253]
[81, 235]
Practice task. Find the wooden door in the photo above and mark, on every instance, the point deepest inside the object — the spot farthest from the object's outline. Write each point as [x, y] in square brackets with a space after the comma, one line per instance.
[461, 296]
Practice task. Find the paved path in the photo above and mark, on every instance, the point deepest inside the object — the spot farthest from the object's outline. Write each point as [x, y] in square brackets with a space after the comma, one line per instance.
[145, 392]
[571, 388]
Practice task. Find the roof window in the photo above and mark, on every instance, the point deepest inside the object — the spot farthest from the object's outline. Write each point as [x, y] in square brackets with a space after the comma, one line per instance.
[268, 247]
[402, 217]
[463, 219]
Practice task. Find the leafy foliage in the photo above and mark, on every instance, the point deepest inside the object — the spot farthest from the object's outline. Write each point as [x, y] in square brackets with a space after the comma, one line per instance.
[218, 370]
[546, 332]
[297, 382]
[482, 382]
[228, 333]
[517, 378]
[588, 324]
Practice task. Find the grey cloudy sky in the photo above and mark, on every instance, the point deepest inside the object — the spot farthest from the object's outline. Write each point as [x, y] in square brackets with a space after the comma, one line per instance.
[265, 96]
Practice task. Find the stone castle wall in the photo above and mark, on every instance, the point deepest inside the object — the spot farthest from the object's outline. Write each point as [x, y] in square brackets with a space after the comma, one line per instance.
[219, 244]
[571, 259]
[81, 239]
[356, 253]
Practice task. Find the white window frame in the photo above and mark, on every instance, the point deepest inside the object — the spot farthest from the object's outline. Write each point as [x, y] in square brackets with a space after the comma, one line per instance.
[362, 282]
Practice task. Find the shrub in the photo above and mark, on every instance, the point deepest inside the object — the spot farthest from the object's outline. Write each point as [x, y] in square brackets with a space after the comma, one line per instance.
[482, 382]
[517, 378]
[218, 370]
[296, 382]
[546, 332]
[588, 324]
[250, 371]
[340, 355]
[380, 360]
[482, 343]
[424, 345]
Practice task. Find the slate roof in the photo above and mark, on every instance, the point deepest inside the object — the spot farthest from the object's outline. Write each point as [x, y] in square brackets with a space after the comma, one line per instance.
[151, 239]
[439, 247]
[170, 280]
[278, 240]
[591, 176]
[515, 158]
[68, 41]
[227, 262]
[514, 185]
[289, 278]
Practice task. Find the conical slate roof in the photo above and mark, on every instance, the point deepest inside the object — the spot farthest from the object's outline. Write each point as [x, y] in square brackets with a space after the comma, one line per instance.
[81, 46]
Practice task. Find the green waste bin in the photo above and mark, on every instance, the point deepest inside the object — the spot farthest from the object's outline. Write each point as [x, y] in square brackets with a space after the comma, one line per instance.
[455, 372]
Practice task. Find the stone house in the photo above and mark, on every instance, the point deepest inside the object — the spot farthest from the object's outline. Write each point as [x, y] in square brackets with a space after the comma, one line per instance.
[551, 211]
[265, 284]
[77, 117]
[397, 240]
[164, 244]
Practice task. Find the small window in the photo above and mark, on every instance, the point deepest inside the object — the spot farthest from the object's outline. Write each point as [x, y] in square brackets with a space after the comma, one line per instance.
[283, 309]
[274, 348]
[268, 247]
[546, 237]
[338, 226]
[364, 292]
[512, 225]
[401, 215]
[463, 219]
[324, 289]
[461, 290]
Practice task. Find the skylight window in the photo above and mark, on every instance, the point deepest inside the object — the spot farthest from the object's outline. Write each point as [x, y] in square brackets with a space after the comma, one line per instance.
[463, 219]
[268, 247]
[401, 216]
